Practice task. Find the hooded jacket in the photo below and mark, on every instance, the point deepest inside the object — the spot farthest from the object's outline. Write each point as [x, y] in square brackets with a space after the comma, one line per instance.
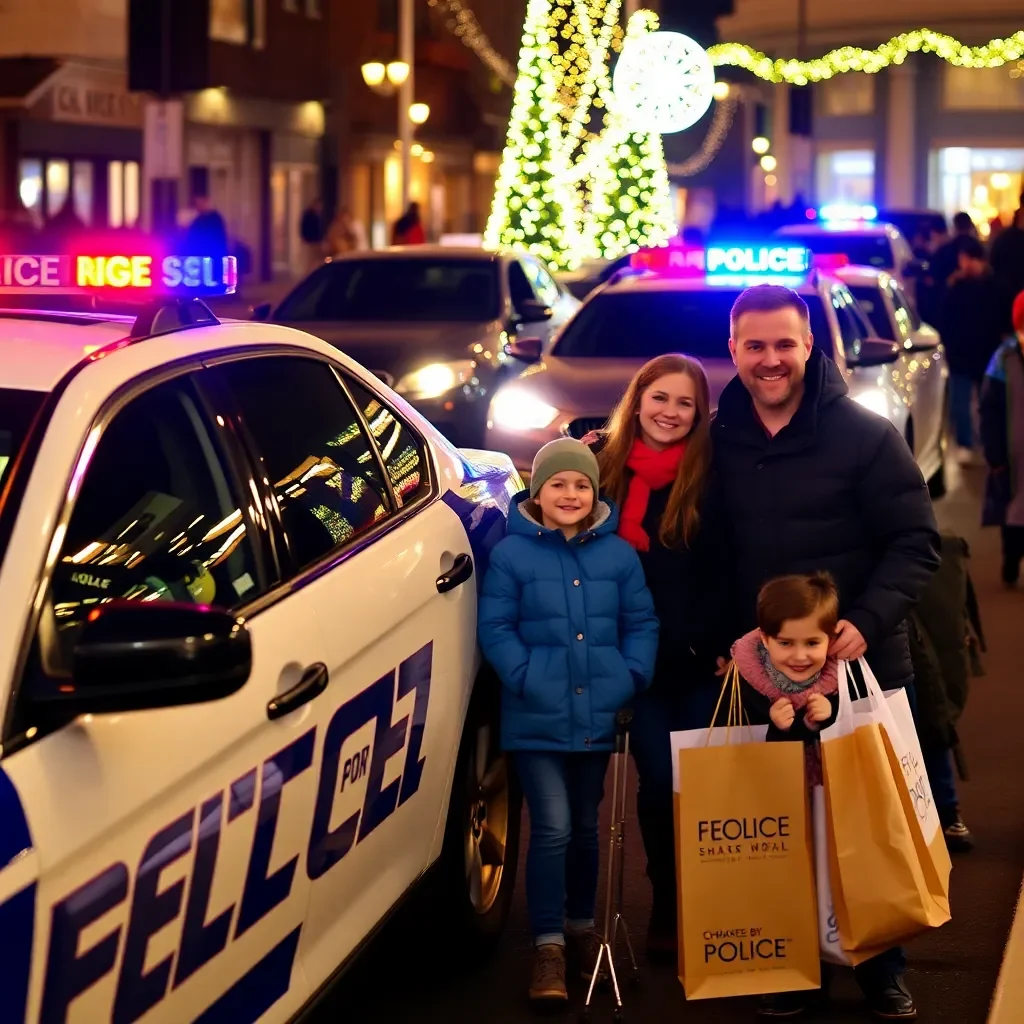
[838, 490]
[570, 629]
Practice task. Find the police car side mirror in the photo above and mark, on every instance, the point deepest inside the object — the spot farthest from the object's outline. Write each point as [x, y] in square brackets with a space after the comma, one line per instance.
[131, 655]
[262, 311]
[526, 350]
[873, 352]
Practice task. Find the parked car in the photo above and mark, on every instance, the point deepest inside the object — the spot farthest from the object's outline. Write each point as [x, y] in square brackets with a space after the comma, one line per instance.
[431, 322]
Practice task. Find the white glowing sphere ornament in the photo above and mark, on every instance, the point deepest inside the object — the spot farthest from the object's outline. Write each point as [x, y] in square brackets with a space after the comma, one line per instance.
[663, 82]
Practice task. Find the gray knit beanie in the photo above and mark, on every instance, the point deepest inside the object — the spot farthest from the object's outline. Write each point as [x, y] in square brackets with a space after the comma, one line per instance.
[562, 456]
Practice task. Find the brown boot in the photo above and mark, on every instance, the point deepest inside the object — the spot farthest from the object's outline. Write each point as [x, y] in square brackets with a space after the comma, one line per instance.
[547, 984]
[581, 953]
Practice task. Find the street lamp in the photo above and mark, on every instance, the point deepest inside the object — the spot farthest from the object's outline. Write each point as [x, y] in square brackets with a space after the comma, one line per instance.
[400, 74]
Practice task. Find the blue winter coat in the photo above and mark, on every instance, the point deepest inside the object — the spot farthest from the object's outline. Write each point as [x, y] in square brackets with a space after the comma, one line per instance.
[569, 626]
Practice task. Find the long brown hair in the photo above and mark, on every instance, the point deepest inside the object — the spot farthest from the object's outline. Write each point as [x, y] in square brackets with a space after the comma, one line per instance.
[682, 514]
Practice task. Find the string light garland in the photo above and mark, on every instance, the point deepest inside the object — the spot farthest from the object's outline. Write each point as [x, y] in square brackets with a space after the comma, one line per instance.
[535, 207]
[630, 198]
[854, 58]
[463, 24]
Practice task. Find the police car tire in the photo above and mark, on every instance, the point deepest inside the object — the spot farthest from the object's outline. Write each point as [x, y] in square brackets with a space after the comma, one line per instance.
[476, 932]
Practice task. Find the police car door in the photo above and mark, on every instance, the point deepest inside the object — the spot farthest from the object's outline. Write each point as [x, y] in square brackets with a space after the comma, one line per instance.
[370, 544]
[167, 842]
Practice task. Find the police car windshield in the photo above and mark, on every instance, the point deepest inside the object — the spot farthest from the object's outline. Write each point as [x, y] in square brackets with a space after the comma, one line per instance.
[871, 302]
[645, 324]
[404, 290]
[17, 408]
[861, 249]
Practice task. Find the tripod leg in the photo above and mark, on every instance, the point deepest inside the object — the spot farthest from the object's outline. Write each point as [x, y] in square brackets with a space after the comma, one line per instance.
[620, 922]
[601, 953]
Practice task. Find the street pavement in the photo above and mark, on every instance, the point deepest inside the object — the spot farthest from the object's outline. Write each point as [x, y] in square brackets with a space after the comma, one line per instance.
[404, 977]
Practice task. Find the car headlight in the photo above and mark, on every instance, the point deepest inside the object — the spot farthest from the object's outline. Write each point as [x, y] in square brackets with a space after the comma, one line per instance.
[515, 409]
[875, 401]
[436, 379]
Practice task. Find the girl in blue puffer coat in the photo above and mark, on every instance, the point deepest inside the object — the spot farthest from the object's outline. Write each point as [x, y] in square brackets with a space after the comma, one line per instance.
[568, 624]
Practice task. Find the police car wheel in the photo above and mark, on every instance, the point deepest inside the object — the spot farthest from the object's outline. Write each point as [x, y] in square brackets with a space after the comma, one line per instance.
[481, 850]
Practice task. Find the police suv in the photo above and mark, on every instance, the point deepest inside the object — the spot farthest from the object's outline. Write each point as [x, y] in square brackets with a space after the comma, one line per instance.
[242, 704]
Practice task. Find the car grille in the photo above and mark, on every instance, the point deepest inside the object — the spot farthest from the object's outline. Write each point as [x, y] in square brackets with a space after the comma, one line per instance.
[388, 378]
[583, 426]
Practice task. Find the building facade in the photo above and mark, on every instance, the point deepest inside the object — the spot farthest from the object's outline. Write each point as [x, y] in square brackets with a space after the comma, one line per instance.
[73, 134]
[921, 135]
[456, 152]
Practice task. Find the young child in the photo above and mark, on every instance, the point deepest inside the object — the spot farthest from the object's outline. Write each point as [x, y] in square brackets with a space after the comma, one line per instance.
[791, 680]
[1002, 437]
[569, 626]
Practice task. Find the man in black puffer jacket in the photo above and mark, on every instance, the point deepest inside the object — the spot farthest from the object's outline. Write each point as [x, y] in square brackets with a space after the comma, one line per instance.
[810, 481]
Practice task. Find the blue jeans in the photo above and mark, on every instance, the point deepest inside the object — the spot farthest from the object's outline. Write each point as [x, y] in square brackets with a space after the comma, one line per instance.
[563, 793]
[656, 713]
[961, 394]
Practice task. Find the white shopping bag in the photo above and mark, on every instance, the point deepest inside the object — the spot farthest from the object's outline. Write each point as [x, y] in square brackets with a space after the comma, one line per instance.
[828, 928]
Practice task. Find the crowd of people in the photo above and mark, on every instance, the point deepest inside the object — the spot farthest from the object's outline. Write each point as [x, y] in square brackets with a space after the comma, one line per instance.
[789, 532]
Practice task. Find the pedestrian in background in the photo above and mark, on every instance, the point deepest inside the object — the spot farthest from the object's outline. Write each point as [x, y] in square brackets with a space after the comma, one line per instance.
[345, 235]
[311, 231]
[207, 235]
[944, 262]
[975, 319]
[810, 482]
[569, 626]
[409, 228]
[654, 459]
[1002, 437]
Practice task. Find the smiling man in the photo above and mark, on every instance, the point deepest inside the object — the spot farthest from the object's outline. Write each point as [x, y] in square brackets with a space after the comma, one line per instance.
[810, 481]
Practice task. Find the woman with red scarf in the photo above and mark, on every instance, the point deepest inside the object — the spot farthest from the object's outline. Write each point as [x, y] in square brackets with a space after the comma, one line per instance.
[654, 457]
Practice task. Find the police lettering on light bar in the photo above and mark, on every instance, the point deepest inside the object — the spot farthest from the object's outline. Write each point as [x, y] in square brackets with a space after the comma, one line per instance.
[208, 274]
[782, 260]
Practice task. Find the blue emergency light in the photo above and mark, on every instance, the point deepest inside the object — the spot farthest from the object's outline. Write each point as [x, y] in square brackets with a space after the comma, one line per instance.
[848, 213]
[139, 274]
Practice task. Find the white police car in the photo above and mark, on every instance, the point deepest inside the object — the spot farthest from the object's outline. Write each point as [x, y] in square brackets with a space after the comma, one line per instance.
[678, 299]
[240, 692]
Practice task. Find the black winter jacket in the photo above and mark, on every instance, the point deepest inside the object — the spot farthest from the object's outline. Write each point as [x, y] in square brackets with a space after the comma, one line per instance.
[838, 490]
[688, 585]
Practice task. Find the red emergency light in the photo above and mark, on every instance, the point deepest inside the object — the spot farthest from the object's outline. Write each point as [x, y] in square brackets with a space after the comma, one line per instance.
[671, 260]
[830, 261]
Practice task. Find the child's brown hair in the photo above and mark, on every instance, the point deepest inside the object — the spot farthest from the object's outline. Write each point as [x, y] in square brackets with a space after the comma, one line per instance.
[797, 597]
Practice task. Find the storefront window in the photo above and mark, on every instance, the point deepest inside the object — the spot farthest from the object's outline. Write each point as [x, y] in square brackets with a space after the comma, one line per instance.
[239, 21]
[58, 182]
[847, 95]
[987, 183]
[30, 187]
[981, 89]
[81, 190]
[122, 193]
[846, 176]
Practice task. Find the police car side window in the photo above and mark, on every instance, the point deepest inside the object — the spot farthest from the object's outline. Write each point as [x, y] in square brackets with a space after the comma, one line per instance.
[158, 517]
[314, 451]
[543, 283]
[401, 450]
[850, 326]
[519, 285]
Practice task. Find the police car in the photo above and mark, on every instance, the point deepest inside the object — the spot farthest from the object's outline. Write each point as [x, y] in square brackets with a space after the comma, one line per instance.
[242, 704]
[678, 299]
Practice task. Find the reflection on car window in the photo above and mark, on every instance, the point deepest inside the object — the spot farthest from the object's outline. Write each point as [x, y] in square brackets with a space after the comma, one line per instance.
[873, 303]
[862, 250]
[17, 409]
[518, 285]
[543, 283]
[314, 452]
[852, 327]
[643, 324]
[382, 289]
[905, 312]
[158, 517]
[400, 449]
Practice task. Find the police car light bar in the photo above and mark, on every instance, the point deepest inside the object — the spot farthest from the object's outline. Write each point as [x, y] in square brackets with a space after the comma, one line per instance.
[729, 265]
[139, 274]
[848, 213]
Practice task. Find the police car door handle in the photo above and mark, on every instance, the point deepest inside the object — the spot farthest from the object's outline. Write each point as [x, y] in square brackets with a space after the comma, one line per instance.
[312, 684]
[459, 573]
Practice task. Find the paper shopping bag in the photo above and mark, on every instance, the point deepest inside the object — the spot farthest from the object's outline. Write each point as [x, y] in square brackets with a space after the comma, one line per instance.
[747, 915]
[880, 881]
[829, 943]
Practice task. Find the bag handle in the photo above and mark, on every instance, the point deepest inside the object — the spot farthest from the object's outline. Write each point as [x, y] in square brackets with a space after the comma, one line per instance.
[736, 715]
[875, 695]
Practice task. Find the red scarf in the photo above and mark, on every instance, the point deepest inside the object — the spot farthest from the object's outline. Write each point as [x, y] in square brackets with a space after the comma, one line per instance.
[651, 472]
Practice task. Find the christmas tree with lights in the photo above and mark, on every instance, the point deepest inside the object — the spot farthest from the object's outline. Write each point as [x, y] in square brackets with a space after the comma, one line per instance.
[535, 206]
[630, 198]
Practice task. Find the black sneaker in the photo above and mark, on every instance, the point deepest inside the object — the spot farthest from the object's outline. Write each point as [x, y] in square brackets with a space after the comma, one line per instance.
[890, 999]
[958, 837]
[783, 1004]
